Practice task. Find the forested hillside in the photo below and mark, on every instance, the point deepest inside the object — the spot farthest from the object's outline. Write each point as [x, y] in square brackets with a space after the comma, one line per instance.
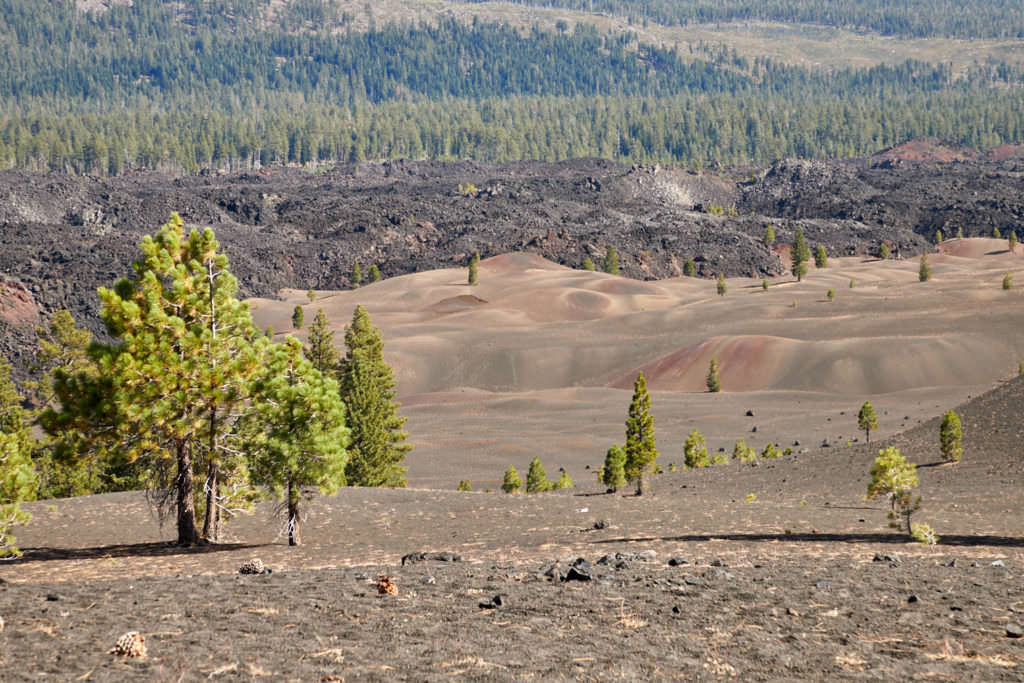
[197, 84]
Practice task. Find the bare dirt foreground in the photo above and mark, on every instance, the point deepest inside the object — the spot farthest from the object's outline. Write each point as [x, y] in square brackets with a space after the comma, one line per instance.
[778, 571]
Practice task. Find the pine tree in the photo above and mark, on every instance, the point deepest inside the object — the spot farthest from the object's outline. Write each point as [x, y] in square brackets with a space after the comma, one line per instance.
[820, 256]
[474, 276]
[883, 251]
[512, 483]
[799, 255]
[769, 236]
[742, 452]
[17, 476]
[867, 420]
[298, 317]
[1011, 241]
[374, 274]
[1007, 281]
[357, 276]
[368, 390]
[764, 283]
[640, 447]
[320, 349]
[311, 295]
[894, 477]
[924, 271]
[689, 268]
[537, 478]
[722, 286]
[611, 261]
[713, 384]
[588, 264]
[995, 232]
[695, 451]
[296, 432]
[464, 485]
[169, 390]
[63, 347]
[613, 473]
[830, 295]
[951, 437]
[564, 480]
[938, 237]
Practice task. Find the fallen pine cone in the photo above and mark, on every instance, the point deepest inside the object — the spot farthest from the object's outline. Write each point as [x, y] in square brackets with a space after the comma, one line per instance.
[386, 586]
[131, 644]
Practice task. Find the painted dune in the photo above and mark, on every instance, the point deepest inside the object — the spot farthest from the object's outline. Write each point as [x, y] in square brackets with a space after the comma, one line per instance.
[539, 359]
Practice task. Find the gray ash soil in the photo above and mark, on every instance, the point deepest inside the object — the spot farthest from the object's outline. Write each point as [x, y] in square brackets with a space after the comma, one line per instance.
[803, 581]
[62, 236]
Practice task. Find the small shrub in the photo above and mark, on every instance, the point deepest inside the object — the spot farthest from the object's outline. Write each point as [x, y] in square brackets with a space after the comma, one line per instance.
[770, 451]
[689, 269]
[672, 467]
[722, 286]
[883, 251]
[820, 256]
[922, 533]
[769, 236]
[611, 261]
[588, 263]
[751, 497]
[467, 189]
[996, 234]
[1011, 241]
[695, 451]
[357, 275]
[742, 452]
[852, 283]
[1007, 282]
[374, 274]
[960, 232]
[464, 485]
[938, 237]
[764, 283]
[719, 459]
[788, 450]
[297, 318]
[311, 295]
[794, 304]
[564, 480]
[830, 295]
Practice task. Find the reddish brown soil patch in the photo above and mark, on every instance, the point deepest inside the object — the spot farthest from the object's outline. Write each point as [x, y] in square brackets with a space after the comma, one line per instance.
[929, 149]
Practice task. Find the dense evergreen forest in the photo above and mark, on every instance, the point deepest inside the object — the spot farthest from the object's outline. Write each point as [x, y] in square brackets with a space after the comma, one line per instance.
[905, 18]
[198, 84]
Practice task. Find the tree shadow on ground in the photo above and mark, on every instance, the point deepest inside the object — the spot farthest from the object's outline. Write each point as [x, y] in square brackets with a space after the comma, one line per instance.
[945, 539]
[159, 549]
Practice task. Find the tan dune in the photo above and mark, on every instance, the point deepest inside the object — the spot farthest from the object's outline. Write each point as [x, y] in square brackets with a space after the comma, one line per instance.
[539, 359]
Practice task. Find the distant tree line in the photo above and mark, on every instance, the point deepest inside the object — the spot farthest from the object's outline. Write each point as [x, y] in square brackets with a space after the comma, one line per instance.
[186, 86]
[908, 18]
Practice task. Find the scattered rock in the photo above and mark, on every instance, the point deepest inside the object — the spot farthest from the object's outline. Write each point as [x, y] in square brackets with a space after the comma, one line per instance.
[676, 610]
[912, 599]
[822, 585]
[413, 558]
[361, 576]
[754, 429]
[495, 602]
[253, 566]
[52, 597]
[678, 562]
[750, 413]
[622, 564]
[951, 563]
[386, 585]
[131, 644]
[693, 581]
[647, 556]
[718, 563]
[577, 574]
[1014, 631]
[997, 563]
[792, 612]
[601, 524]
[975, 564]
[893, 559]
[428, 580]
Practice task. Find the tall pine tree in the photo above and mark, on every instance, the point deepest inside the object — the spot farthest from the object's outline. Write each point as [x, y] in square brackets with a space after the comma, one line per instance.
[640, 447]
[367, 387]
[320, 350]
[799, 254]
[296, 432]
[172, 384]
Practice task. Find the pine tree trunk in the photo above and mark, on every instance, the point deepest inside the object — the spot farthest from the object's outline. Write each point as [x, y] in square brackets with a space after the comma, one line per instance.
[640, 484]
[187, 532]
[211, 523]
[294, 533]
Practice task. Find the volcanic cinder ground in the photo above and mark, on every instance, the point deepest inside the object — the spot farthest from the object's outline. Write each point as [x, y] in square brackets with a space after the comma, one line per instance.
[777, 570]
[539, 359]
